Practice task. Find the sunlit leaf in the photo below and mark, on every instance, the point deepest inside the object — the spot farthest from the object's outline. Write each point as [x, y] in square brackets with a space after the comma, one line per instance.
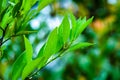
[40, 53]
[64, 29]
[29, 50]
[2, 14]
[82, 24]
[9, 32]
[79, 45]
[30, 67]
[27, 17]
[50, 46]
[85, 24]
[27, 5]
[43, 3]
[18, 66]
[73, 24]
[25, 32]
[79, 27]
[42, 63]
[6, 19]
[30, 15]
[4, 4]
[59, 44]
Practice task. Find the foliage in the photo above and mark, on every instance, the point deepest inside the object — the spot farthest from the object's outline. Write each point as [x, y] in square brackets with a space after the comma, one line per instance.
[15, 15]
[101, 62]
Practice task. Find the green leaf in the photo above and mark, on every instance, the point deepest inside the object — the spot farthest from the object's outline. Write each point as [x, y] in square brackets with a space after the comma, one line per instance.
[4, 4]
[79, 26]
[2, 48]
[82, 24]
[18, 66]
[27, 5]
[9, 31]
[27, 17]
[51, 43]
[1, 1]
[28, 48]
[30, 15]
[64, 29]
[30, 67]
[25, 32]
[42, 63]
[40, 53]
[6, 19]
[33, 2]
[79, 45]
[85, 25]
[43, 3]
[49, 48]
[16, 8]
[73, 24]
[59, 44]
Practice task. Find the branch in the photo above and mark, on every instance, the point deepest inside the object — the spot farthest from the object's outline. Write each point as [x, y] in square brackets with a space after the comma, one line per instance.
[10, 38]
[3, 34]
[1, 28]
[58, 56]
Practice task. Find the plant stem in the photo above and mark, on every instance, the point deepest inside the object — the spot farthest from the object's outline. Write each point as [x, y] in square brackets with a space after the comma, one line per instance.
[10, 38]
[58, 56]
[64, 49]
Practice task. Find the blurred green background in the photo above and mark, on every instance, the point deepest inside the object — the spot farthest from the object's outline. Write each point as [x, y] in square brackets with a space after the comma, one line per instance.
[98, 62]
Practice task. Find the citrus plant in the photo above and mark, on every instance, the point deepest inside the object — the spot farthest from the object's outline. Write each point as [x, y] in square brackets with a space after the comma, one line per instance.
[15, 15]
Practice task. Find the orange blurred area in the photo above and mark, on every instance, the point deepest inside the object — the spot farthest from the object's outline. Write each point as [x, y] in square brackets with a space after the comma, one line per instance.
[101, 26]
[82, 78]
[3, 67]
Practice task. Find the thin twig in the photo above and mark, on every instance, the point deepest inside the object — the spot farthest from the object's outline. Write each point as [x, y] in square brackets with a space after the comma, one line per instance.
[3, 34]
[64, 49]
[60, 53]
[1, 28]
[10, 38]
